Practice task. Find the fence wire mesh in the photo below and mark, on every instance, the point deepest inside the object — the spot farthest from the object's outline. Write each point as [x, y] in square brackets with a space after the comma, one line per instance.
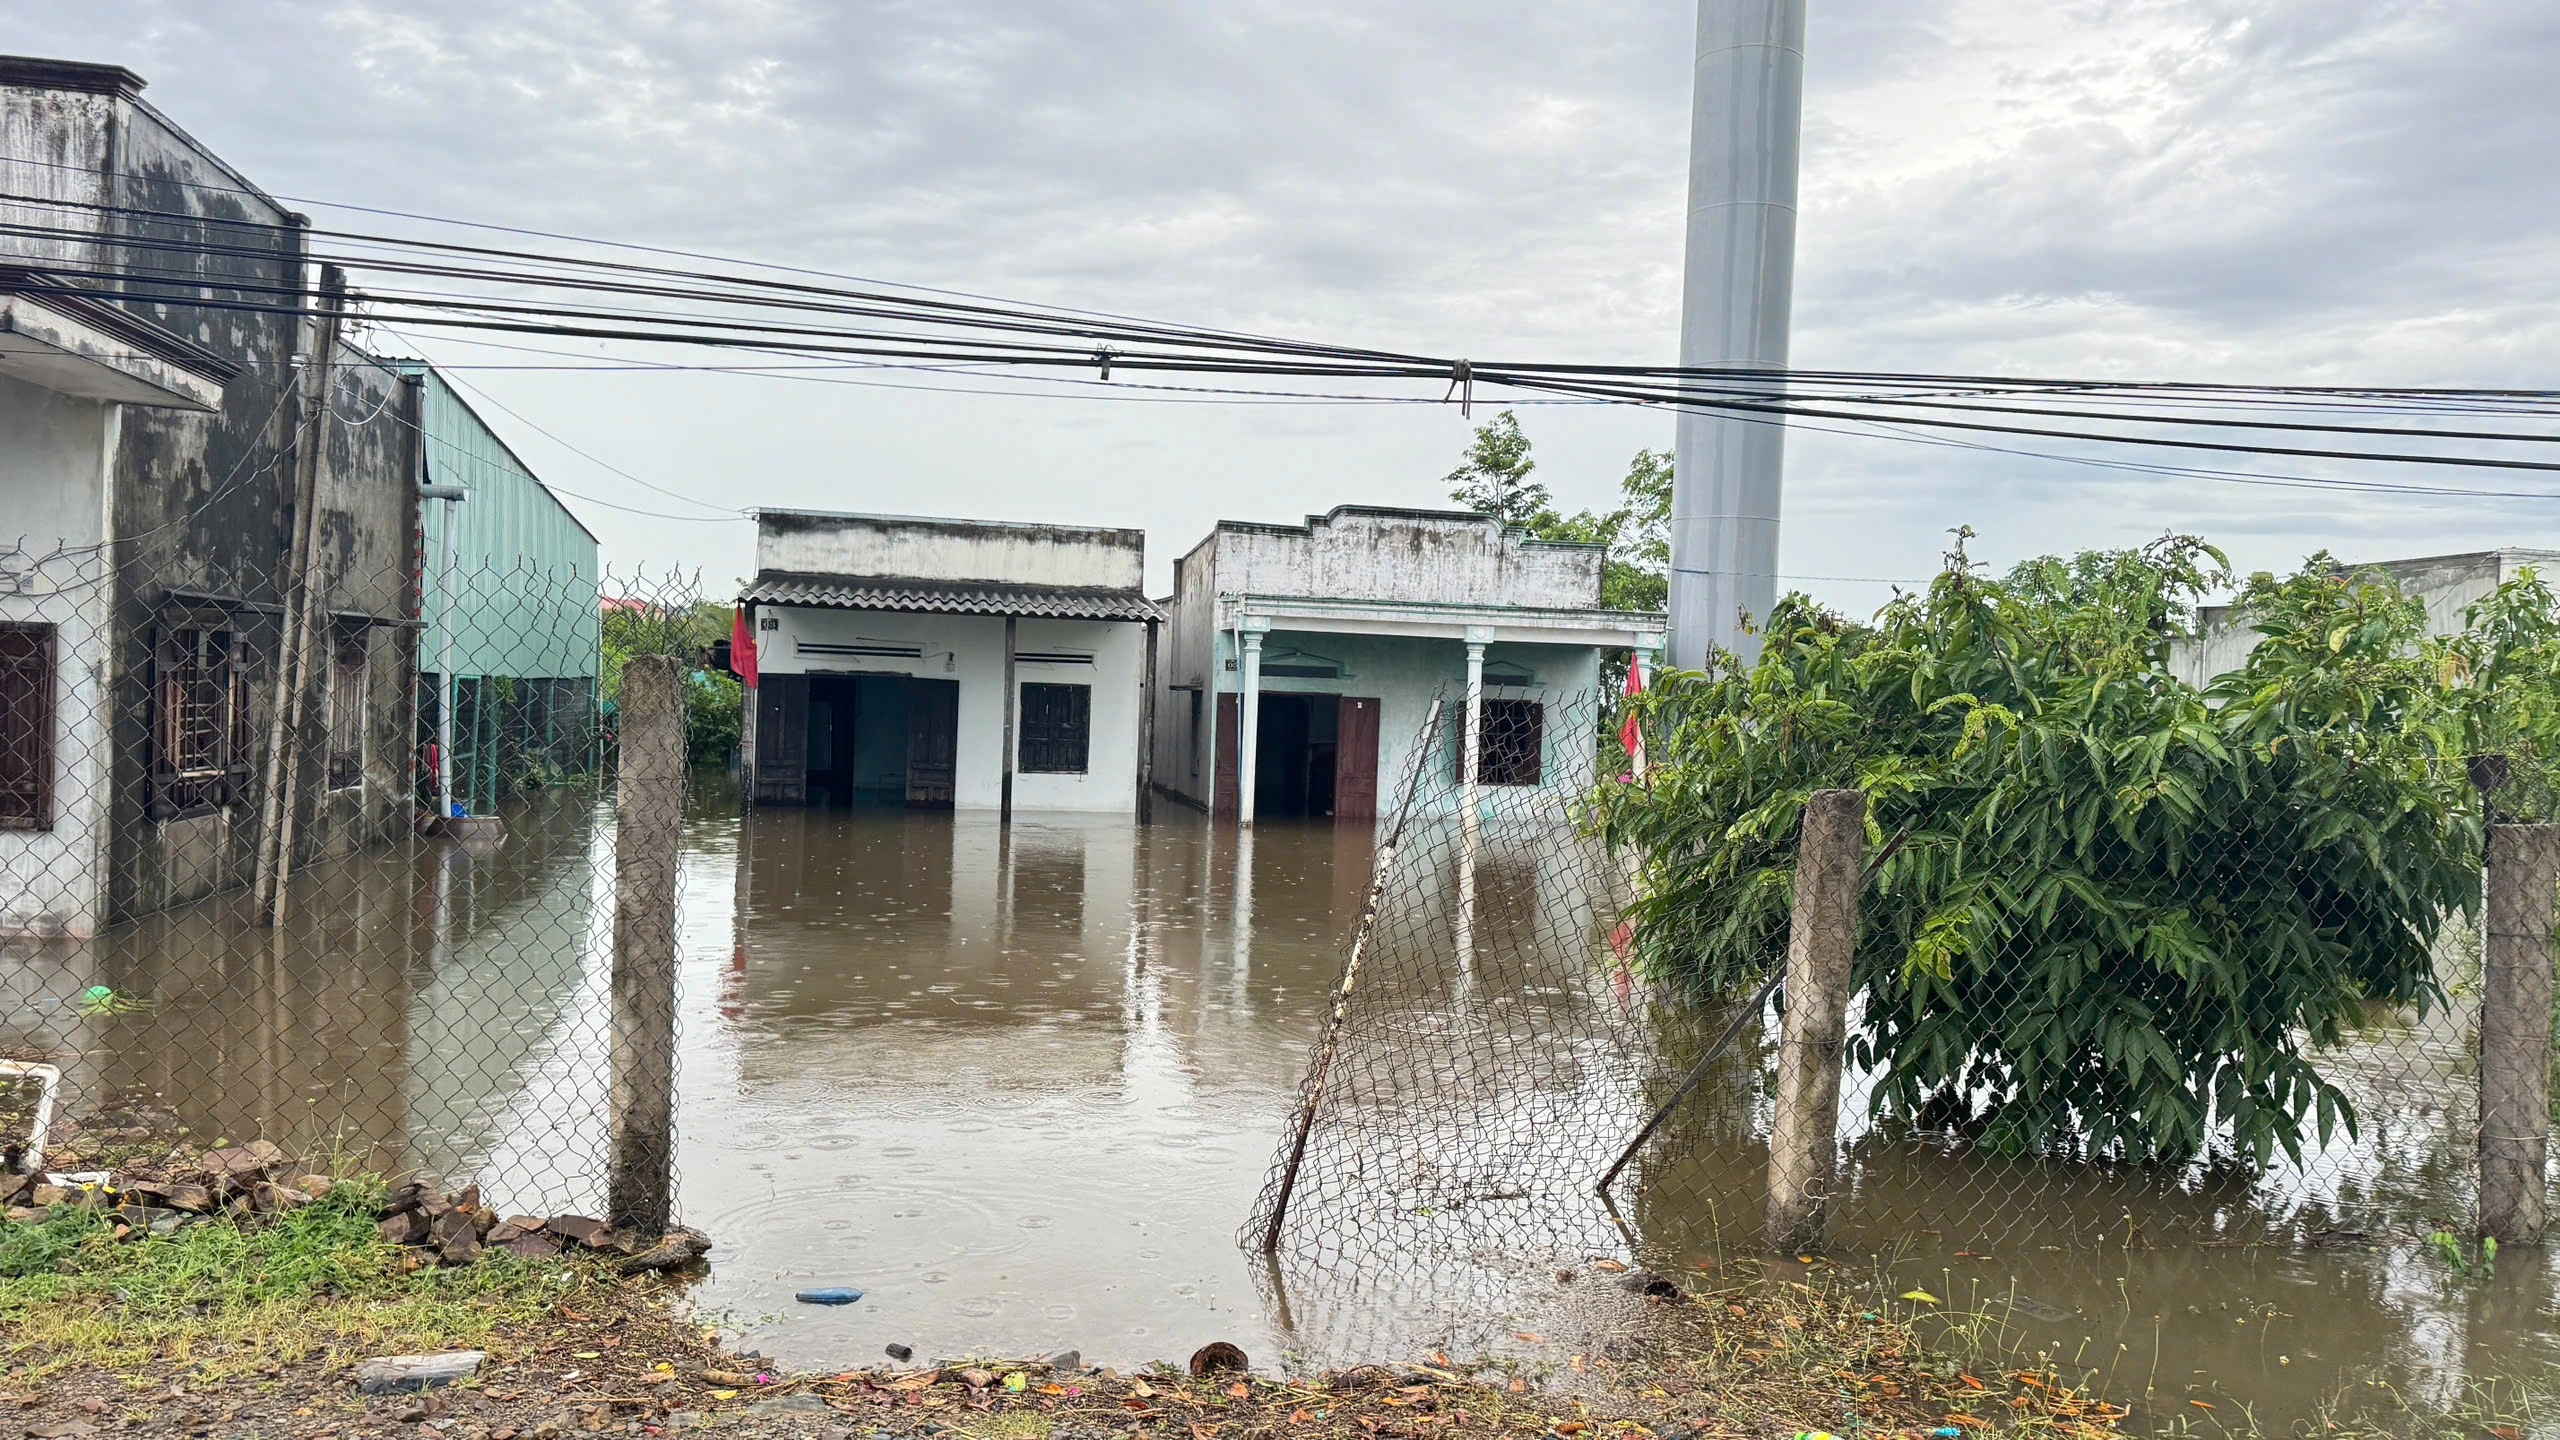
[2077, 1080]
[236, 904]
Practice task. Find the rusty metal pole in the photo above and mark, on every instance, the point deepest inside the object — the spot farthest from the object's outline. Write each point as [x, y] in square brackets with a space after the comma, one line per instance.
[1822, 939]
[649, 812]
[2515, 1030]
[1378, 872]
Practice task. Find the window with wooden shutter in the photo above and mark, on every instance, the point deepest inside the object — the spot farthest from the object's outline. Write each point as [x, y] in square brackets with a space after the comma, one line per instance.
[1057, 728]
[26, 727]
[348, 681]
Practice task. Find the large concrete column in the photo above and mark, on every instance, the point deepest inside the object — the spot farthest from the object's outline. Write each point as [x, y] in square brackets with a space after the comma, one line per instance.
[1746, 115]
[2515, 1030]
[1822, 940]
[648, 821]
[1248, 715]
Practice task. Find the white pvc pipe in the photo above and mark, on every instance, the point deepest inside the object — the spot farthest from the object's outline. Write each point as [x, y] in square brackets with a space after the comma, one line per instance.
[52, 1078]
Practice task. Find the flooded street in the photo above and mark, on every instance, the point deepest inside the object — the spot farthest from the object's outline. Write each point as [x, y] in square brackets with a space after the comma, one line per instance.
[1021, 1087]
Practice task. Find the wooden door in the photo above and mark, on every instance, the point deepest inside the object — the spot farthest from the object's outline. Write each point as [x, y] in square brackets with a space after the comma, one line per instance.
[1222, 774]
[1355, 760]
[933, 743]
[782, 740]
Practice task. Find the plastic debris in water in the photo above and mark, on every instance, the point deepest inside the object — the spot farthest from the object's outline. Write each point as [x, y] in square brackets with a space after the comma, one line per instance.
[832, 1295]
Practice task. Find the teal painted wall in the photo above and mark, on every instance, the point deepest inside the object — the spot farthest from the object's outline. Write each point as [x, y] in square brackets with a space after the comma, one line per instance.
[525, 569]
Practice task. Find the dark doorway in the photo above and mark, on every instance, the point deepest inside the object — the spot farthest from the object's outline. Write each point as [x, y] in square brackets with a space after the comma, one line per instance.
[857, 740]
[1293, 756]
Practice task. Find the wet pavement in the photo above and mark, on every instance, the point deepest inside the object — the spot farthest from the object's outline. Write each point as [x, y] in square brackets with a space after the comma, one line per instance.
[1021, 1087]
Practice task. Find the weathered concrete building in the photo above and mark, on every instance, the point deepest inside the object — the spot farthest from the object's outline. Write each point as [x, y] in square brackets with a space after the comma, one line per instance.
[152, 434]
[960, 664]
[2447, 583]
[1302, 660]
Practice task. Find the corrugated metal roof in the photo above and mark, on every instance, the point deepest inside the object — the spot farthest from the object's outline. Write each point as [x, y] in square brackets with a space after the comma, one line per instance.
[951, 597]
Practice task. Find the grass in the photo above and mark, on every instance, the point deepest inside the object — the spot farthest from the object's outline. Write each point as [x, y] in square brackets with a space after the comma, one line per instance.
[306, 1283]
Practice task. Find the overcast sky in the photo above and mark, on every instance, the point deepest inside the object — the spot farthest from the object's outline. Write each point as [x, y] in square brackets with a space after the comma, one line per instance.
[2306, 190]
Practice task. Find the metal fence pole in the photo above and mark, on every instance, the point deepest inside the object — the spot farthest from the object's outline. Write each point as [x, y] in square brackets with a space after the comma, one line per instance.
[1804, 1140]
[2515, 1030]
[649, 811]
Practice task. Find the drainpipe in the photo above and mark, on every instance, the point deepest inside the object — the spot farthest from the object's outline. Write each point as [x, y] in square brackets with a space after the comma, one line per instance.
[451, 495]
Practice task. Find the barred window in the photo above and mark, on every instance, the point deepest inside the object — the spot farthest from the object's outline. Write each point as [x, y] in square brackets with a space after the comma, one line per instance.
[26, 727]
[1057, 728]
[200, 730]
[347, 686]
[1512, 739]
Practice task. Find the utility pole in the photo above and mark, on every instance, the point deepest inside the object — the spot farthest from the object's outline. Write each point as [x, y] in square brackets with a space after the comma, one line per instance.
[1737, 292]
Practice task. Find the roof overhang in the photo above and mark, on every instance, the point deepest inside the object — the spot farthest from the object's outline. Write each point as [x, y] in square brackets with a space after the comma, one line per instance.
[1498, 624]
[949, 597]
[76, 345]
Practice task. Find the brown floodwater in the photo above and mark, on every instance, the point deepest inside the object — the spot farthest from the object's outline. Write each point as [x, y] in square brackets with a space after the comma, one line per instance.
[1021, 1087]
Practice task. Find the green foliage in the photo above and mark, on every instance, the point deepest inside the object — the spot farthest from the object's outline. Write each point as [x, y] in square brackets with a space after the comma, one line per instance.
[2467, 1262]
[2128, 913]
[1493, 478]
[714, 702]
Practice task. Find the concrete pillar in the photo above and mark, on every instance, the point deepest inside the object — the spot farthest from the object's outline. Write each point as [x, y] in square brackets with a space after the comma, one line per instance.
[1012, 709]
[1248, 716]
[2515, 1030]
[649, 814]
[1822, 939]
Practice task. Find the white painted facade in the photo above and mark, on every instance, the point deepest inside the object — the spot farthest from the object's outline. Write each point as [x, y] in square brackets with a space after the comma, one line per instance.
[1400, 606]
[2448, 584]
[927, 599]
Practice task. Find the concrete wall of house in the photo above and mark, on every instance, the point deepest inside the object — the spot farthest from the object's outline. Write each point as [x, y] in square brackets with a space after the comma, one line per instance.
[1189, 652]
[1406, 675]
[53, 453]
[525, 568]
[2448, 584]
[204, 502]
[1420, 556]
[969, 649]
[811, 543]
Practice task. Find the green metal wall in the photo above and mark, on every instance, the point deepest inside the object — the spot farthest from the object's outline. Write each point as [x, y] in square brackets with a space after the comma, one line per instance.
[525, 569]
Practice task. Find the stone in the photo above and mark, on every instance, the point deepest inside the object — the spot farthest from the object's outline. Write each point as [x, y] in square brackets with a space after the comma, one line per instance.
[509, 1229]
[269, 1198]
[188, 1196]
[538, 1245]
[168, 1225]
[45, 1197]
[795, 1403]
[412, 1196]
[977, 1379]
[314, 1186]
[1067, 1360]
[408, 1227]
[61, 1430]
[456, 1237]
[241, 1164]
[581, 1230]
[405, 1374]
[678, 1247]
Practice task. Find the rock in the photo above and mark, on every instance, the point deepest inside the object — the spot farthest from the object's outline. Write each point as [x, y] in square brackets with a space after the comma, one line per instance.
[168, 1225]
[901, 1353]
[403, 1374]
[415, 1411]
[534, 1246]
[795, 1403]
[1067, 1360]
[509, 1229]
[678, 1247]
[580, 1230]
[185, 1195]
[1215, 1356]
[12, 1186]
[412, 1196]
[1646, 1283]
[242, 1164]
[268, 1198]
[314, 1186]
[455, 1237]
[61, 1430]
[977, 1379]
[45, 1197]
[406, 1227]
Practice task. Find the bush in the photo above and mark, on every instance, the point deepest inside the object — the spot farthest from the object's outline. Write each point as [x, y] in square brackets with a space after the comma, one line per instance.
[2128, 913]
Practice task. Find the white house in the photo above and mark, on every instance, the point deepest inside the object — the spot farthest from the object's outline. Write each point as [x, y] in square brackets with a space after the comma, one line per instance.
[939, 664]
[2448, 584]
[1303, 659]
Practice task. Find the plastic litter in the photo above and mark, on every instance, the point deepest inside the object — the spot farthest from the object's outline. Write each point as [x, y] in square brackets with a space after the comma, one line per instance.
[830, 1295]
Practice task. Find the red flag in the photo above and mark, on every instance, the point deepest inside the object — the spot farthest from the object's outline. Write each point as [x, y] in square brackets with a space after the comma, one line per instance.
[1631, 735]
[742, 649]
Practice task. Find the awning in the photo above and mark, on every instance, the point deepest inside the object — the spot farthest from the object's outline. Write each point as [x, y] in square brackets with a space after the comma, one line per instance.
[76, 344]
[950, 597]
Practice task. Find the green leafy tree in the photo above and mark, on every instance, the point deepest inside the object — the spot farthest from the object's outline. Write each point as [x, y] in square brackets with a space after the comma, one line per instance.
[714, 702]
[2128, 913]
[1493, 478]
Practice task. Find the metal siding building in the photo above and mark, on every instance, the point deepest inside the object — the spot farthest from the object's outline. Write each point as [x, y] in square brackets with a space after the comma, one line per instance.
[528, 649]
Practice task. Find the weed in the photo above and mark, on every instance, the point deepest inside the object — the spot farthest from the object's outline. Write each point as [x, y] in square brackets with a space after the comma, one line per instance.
[2467, 1262]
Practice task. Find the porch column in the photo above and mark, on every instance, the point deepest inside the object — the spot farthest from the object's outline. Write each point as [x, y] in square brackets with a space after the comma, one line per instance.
[1248, 715]
[1478, 636]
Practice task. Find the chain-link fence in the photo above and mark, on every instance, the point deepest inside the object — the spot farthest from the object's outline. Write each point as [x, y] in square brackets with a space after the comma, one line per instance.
[330, 861]
[2148, 1040]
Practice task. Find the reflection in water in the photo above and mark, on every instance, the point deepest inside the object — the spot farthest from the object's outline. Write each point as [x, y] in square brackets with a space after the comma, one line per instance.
[1020, 1085]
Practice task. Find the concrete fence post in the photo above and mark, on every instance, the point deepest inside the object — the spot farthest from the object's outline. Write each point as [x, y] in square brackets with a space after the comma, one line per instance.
[2515, 1030]
[649, 810]
[1804, 1140]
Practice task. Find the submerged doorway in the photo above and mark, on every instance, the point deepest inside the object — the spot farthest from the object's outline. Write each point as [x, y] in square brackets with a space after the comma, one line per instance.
[1314, 756]
[840, 741]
